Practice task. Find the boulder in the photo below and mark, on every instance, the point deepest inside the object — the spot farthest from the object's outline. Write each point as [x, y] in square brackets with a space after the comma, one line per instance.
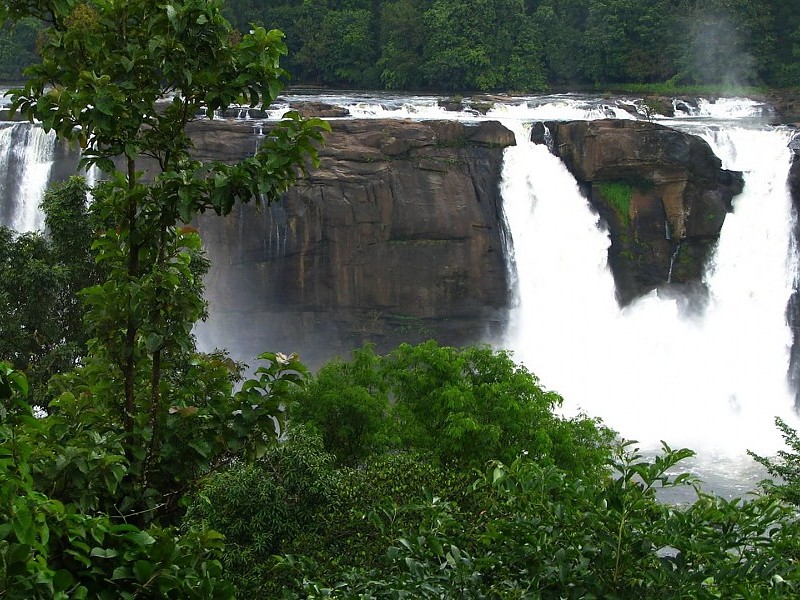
[662, 193]
[319, 109]
[397, 236]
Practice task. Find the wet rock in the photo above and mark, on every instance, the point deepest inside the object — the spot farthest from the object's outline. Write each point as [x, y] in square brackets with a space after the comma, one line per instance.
[397, 236]
[793, 309]
[319, 109]
[662, 192]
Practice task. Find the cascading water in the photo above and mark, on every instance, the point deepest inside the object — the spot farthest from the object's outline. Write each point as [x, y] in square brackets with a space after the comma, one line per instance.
[654, 371]
[712, 380]
[26, 158]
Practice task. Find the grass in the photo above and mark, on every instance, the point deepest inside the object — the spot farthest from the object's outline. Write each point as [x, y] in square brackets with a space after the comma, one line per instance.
[618, 194]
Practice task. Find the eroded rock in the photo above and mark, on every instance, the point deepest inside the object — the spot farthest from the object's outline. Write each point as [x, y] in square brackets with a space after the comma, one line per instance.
[663, 194]
[397, 236]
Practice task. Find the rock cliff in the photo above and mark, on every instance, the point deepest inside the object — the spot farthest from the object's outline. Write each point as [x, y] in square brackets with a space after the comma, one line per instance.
[662, 193]
[397, 236]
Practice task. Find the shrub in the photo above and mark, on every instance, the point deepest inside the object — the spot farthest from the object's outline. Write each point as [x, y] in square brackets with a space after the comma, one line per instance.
[262, 507]
[461, 405]
[348, 404]
[786, 467]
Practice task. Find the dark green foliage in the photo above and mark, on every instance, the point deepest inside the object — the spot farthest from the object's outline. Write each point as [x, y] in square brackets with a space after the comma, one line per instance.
[513, 45]
[348, 403]
[628, 41]
[52, 549]
[295, 505]
[41, 274]
[264, 506]
[538, 533]
[462, 405]
[402, 45]
[17, 48]
[481, 45]
[518, 45]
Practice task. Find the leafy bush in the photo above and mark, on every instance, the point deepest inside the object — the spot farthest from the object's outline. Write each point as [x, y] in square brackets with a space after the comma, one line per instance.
[262, 507]
[538, 532]
[348, 403]
[52, 549]
[786, 467]
[462, 405]
[42, 332]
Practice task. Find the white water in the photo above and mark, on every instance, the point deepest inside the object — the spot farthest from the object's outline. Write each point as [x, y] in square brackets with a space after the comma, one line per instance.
[712, 381]
[26, 159]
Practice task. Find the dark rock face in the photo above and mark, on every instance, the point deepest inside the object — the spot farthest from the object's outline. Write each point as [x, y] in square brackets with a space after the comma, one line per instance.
[397, 236]
[662, 193]
[786, 106]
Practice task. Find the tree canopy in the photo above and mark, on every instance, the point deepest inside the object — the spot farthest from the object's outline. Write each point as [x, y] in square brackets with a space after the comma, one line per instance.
[511, 45]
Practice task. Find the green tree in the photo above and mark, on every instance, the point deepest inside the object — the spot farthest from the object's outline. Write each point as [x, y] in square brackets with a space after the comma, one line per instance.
[783, 66]
[472, 404]
[42, 332]
[267, 507]
[627, 41]
[51, 549]
[124, 80]
[402, 44]
[727, 42]
[785, 466]
[462, 405]
[17, 48]
[562, 23]
[484, 45]
[348, 403]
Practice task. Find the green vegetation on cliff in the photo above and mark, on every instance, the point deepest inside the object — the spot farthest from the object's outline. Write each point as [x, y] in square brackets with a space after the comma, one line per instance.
[618, 194]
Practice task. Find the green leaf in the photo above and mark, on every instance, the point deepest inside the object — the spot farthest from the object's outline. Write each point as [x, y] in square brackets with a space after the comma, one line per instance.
[62, 580]
[22, 524]
[98, 552]
[172, 16]
[143, 570]
[140, 538]
[122, 573]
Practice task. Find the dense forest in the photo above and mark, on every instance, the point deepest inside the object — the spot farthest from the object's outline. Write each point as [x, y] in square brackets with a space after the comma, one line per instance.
[513, 45]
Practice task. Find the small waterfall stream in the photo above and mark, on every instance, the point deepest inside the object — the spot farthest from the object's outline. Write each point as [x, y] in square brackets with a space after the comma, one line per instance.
[26, 158]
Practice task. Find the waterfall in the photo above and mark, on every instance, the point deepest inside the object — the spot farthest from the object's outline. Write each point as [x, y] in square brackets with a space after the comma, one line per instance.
[712, 381]
[26, 158]
[710, 378]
